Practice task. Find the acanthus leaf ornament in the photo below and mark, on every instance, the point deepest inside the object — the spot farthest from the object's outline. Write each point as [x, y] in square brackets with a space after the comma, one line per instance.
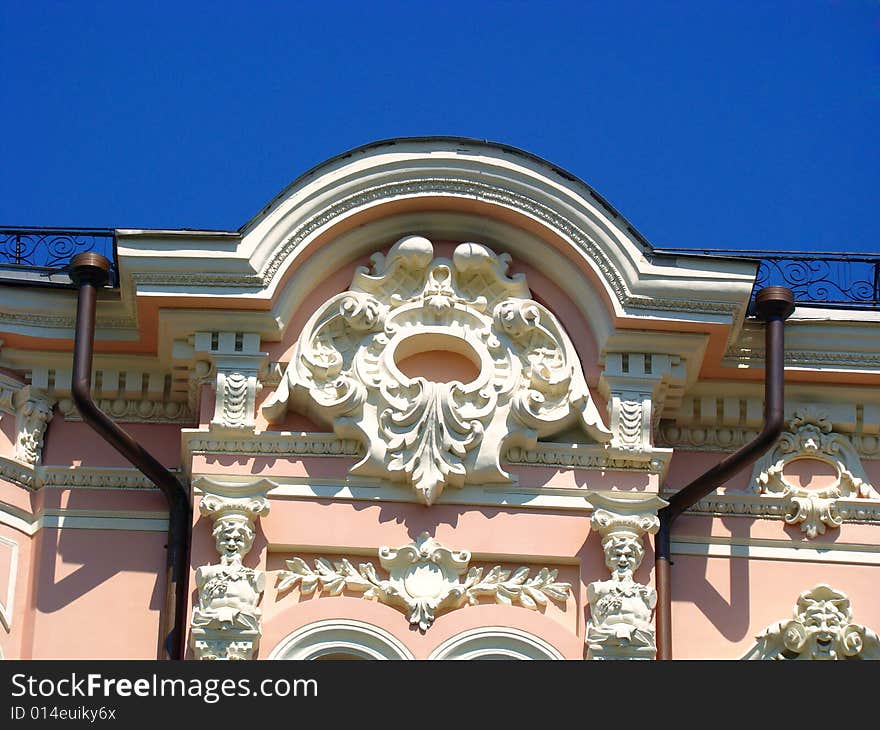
[810, 437]
[425, 579]
[429, 434]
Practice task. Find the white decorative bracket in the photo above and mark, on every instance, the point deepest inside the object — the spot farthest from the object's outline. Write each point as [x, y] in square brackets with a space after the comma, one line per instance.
[236, 363]
[33, 411]
[635, 386]
[425, 579]
[810, 437]
[345, 373]
[226, 622]
[821, 629]
[621, 610]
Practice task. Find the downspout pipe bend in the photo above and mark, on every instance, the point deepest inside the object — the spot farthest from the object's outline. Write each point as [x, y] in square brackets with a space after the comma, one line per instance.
[90, 271]
[773, 304]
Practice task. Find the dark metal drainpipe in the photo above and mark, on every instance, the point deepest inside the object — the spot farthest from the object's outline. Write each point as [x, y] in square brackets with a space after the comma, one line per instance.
[90, 271]
[774, 304]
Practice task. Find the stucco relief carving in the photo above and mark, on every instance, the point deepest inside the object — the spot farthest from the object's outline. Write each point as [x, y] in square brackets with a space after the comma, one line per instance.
[637, 386]
[631, 420]
[621, 609]
[344, 369]
[425, 579]
[821, 629]
[233, 361]
[810, 437]
[226, 621]
[32, 409]
[33, 413]
[134, 410]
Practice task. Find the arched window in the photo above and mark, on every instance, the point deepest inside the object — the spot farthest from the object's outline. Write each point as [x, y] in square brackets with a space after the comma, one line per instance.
[495, 642]
[340, 639]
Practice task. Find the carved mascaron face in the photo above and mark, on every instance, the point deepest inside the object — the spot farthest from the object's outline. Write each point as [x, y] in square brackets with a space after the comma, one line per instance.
[623, 554]
[234, 536]
[822, 628]
[821, 634]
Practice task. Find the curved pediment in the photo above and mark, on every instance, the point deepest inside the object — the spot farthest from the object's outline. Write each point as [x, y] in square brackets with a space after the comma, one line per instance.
[445, 189]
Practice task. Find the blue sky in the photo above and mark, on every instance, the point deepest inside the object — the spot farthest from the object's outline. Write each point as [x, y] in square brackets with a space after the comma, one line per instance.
[714, 124]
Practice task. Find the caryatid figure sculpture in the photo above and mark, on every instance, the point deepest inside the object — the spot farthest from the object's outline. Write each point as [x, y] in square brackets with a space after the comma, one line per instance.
[622, 609]
[226, 622]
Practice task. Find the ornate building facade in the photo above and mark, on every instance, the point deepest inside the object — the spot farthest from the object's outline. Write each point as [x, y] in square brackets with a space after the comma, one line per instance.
[432, 401]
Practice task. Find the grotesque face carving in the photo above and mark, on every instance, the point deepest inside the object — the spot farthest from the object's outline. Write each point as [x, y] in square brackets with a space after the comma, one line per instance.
[623, 554]
[234, 536]
[822, 629]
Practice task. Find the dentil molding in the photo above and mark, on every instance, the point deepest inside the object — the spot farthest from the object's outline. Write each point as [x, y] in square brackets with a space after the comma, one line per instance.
[425, 579]
[432, 434]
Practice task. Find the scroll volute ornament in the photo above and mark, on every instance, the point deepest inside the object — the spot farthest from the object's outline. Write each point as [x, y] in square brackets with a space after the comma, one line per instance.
[810, 438]
[344, 369]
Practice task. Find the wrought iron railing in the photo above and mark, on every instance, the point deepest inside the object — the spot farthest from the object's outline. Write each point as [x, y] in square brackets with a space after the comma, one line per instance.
[833, 280]
[42, 255]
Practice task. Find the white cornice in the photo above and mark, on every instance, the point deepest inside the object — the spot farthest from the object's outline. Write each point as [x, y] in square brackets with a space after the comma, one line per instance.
[740, 504]
[299, 444]
[353, 488]
[72, 519]
[725, 547]
[217, 264]
[71, 477]
[813, 343]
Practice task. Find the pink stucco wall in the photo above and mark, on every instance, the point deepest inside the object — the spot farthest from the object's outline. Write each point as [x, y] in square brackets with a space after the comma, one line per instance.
[96, 593]
[11, 642]
[73, 443]
[89, 592]
[307, 528]
[720, 605]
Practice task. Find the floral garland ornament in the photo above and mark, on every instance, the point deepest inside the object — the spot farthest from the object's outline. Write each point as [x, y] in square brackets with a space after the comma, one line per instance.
[344, 369]
[621, 609]
[822, 629]
[425, 580]
[226, 622]
[810, 437]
